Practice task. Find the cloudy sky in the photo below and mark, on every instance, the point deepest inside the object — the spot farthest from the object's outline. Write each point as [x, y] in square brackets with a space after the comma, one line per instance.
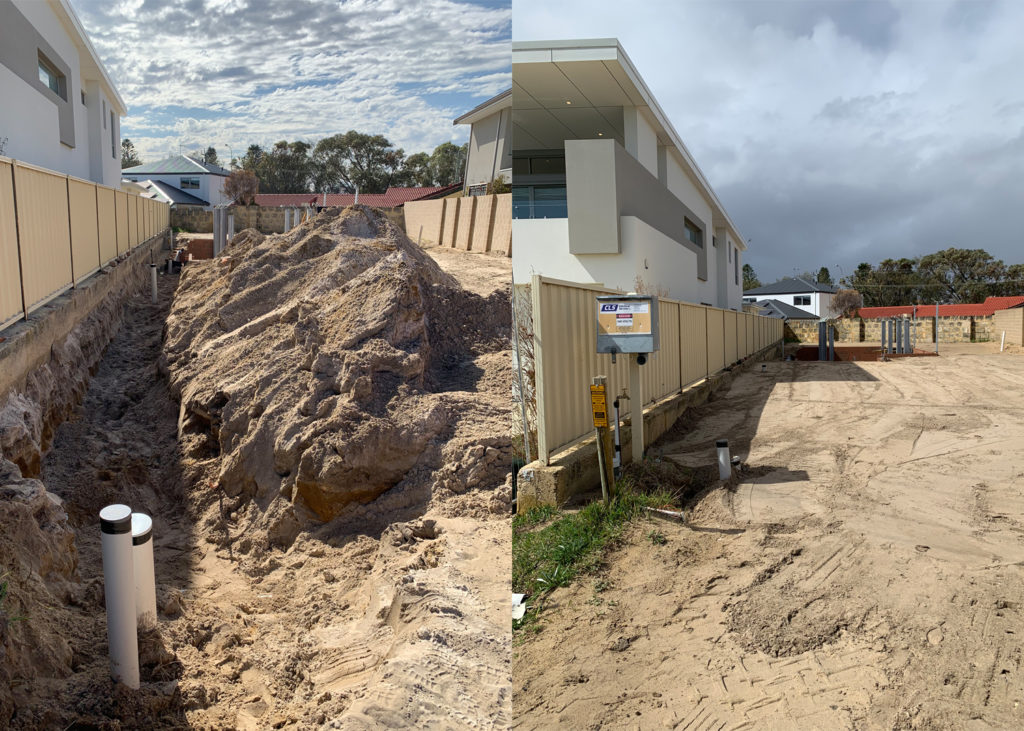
[229, 73]
[834, 132]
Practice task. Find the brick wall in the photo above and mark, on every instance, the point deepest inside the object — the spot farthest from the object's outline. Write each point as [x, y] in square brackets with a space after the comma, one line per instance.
[855, 330]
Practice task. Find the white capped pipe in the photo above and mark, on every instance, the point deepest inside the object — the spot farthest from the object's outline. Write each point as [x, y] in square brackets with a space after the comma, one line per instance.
[119, 593]
[287, 219]
[1002, 342]
[152, 276]
[764, 367]
[231, 226]
[724, 464]
[142, 565]
[170, 264]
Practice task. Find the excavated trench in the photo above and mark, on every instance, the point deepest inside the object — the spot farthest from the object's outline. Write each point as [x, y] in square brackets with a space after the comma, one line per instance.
[385, 614]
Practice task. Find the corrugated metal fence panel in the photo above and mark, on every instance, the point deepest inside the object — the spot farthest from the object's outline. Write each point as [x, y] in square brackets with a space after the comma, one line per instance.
[133, 221]
[731, 331]
[122, 221]
[43, 233]
[693, 339]
[108, 224]
[716, 339]
[663, 366]
[570, 360]
[85, 245]
[10, 272]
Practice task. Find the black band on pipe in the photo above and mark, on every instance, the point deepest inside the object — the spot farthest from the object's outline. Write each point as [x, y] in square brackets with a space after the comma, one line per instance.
[116, 527]
[722, 443]
[143, 538]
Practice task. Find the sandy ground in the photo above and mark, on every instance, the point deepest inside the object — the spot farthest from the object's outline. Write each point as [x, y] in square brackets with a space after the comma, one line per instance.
[407, 627]
[863, 571]
[480, 273]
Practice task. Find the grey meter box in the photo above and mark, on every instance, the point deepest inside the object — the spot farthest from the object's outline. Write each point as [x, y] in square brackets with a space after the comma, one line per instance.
[627, 323]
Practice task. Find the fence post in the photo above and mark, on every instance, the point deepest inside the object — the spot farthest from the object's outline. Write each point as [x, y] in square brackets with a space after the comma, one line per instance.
[71, 246]
[538, 368]
[17, 238]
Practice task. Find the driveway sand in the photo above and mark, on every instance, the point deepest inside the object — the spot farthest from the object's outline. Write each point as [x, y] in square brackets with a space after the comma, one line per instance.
[863, 569]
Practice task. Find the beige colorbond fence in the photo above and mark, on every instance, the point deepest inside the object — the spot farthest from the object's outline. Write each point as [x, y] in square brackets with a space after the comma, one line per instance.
[1010, 322]
[696, 341]
[56, 230]
[473, 223]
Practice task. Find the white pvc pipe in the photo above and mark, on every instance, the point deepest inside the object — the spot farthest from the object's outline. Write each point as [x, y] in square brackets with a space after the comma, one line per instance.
[724, 463]
[287, 219]
[764, 367]
[152, 276]
[119, 593]
[142, 564]
[231, 226]
[1002, 341]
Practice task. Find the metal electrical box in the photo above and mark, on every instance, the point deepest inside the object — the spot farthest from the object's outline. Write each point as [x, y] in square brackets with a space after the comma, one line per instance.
[627, 323]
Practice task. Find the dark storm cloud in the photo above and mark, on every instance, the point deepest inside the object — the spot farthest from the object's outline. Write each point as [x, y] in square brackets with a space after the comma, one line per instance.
[835, 132]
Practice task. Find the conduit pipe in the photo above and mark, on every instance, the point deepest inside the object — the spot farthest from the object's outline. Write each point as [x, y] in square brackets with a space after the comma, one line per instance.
[119, 593]
[142, 566]
[724, 463]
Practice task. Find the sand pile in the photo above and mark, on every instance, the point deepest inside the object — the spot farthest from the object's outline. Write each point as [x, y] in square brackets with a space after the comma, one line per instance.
[314, 366]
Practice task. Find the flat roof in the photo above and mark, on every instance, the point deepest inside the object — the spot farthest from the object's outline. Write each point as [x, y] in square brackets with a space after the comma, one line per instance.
[610, 52]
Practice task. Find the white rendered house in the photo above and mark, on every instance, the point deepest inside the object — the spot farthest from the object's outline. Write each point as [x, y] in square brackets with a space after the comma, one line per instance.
[58, 107]
[812, 297]
[188, 175]
[604, 190]
[490, 146]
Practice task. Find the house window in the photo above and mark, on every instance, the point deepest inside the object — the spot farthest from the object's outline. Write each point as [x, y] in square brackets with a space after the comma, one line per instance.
[714, 241]
[83, 99]
[189, 183]
[113, 137]
[539, 201]
[693, 233]
[802, 299]
[52, 78]
[736, 267]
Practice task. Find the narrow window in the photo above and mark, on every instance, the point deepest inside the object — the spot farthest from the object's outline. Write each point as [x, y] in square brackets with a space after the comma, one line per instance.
[113, 136]
[52, 78]
[83, 99]
[693, 233]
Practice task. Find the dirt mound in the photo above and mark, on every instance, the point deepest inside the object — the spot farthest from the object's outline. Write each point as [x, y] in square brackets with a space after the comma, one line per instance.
[314, 366]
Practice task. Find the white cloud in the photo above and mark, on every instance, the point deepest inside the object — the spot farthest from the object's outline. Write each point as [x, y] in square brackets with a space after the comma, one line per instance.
[257, 71]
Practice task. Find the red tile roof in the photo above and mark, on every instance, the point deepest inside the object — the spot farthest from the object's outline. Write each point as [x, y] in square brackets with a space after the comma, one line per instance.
[980, 309]
[391, 198]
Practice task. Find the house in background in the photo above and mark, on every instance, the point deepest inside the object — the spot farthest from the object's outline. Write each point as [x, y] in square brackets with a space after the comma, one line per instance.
[184, 174]
[812, 297]
[60, 109]
[604, 190]
[166, 193]
[782, 311]
[490, 146]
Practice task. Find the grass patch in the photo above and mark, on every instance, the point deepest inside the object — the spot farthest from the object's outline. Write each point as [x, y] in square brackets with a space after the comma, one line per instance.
[567, 545]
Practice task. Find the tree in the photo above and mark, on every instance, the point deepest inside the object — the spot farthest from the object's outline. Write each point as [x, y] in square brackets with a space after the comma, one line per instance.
[750, 280]
[447, 163]
[286, 168]
[961, 275]
[128, 157]
[210, 156]
[845, 303]
[417, 168]
[242, 186]
[824, 276]
[357, 160]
